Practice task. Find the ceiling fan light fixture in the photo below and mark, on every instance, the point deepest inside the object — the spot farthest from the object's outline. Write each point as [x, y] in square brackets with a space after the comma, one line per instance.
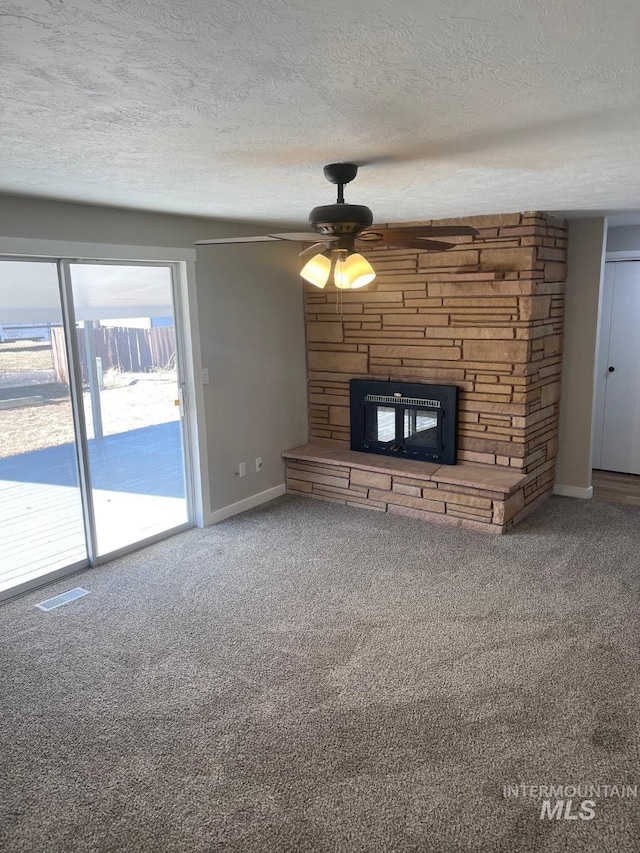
[317, 270]
[341, 277]
[350, 271]
[358, 271]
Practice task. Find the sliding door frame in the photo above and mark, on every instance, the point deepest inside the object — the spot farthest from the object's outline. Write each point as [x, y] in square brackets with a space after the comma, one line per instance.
[96, 559]
[77, 407]
[79, 565]
[181, 263]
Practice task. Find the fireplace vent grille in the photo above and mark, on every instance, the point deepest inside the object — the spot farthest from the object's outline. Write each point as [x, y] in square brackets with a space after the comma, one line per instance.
[404, 401]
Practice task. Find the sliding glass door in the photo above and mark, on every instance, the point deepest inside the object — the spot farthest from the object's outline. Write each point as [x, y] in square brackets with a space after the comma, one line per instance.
[133, 401]
[41, 514]
[92, 439]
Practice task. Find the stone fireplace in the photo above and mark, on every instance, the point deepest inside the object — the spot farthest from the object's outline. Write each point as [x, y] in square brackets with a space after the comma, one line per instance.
[486, 316]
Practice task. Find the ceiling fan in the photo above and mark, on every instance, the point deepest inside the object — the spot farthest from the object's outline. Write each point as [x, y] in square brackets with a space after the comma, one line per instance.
[343, 230]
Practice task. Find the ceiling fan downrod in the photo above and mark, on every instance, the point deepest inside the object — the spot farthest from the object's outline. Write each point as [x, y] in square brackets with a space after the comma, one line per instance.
[340, 174]
[340, 219]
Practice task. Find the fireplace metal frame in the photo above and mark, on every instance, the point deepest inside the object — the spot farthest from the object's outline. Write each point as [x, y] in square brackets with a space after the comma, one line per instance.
[440, 400]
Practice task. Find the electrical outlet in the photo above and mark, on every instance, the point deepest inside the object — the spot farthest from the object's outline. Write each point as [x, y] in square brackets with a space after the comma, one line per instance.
[205, 375]
[259, 464]
[242, 469]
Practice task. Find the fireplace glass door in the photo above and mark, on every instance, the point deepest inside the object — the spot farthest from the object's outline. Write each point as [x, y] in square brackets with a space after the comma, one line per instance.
[380, 424]
[403, 429]
[406, 419]
[421, 429]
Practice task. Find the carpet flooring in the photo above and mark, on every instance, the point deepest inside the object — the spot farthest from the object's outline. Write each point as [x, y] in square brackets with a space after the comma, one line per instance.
[310, 677]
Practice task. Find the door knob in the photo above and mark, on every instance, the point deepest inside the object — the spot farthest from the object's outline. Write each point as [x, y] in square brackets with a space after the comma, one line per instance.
[611, 369]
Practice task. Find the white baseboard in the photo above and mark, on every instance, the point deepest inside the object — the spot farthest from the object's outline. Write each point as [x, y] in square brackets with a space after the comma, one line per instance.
[244, 505]
[573, 491]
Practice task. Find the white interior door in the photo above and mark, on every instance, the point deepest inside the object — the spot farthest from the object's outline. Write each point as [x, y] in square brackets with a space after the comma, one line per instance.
[621, 423]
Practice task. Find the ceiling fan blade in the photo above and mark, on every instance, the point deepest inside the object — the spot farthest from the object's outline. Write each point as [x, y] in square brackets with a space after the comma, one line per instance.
[295, 237]
[317, 247]
[411, 243]
[303, 237]
[419, 231]
[438, 230]
[264, 239]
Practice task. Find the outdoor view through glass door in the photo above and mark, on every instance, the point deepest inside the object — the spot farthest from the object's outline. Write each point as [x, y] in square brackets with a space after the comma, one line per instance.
[92, 455]
[41, 517]
[127, 353]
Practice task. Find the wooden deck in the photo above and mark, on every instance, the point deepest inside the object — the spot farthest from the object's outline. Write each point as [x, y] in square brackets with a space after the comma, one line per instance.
[138, 491]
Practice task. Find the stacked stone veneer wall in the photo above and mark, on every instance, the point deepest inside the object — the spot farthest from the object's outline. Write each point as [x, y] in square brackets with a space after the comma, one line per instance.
[487, 315]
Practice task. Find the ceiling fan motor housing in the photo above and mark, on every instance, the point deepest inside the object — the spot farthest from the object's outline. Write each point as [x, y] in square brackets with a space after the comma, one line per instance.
[340, 219]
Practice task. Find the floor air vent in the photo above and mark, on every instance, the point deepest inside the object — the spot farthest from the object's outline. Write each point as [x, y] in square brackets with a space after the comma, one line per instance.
[63, 598]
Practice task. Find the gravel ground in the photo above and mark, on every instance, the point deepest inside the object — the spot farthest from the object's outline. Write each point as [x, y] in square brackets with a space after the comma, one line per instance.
[129, 401]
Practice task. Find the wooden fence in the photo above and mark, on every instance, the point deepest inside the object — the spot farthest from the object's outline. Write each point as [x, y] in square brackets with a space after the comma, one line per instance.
[128, 349]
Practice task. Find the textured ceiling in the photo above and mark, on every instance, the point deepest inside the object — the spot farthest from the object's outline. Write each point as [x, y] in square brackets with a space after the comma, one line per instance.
[230, 108]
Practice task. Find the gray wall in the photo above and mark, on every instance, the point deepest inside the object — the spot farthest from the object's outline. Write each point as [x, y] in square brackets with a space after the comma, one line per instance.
[585, 262]
[250, 310]
[625, 238]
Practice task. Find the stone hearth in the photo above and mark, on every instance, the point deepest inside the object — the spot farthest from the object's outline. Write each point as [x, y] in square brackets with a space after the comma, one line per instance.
[483, 497]
[487, 316]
